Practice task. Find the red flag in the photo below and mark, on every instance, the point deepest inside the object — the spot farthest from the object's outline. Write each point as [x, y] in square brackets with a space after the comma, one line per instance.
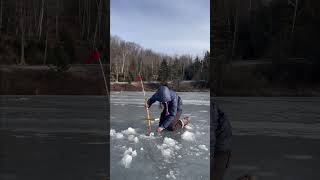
[95, 55]
[138, 78]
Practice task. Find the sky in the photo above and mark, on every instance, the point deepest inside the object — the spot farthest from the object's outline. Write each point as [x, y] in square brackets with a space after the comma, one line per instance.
[172, 27]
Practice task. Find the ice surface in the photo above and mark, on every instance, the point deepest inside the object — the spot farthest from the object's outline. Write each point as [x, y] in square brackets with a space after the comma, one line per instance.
[203, 111]
[168, 152]
[188, 136]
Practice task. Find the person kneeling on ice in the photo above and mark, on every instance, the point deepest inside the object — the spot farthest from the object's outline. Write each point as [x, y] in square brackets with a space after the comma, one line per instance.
[170, 116]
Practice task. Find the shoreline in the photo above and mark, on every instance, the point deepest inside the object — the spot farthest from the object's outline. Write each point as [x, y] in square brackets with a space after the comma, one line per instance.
[87, 80]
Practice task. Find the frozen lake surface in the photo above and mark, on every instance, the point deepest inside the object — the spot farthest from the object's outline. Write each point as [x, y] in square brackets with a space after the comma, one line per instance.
[65, 137]
[173, 155]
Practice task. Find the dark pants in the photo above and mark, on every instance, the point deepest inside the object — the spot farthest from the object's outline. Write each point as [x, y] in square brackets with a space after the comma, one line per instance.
[220, 165]
[175, 124]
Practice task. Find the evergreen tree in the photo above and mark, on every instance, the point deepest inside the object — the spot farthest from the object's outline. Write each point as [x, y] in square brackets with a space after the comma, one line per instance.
[163, 71]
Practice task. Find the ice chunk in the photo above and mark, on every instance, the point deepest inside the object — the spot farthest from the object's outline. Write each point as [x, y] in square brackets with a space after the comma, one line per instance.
[127, 157]
[136, 140]
[169, 141]
[151, 136]
[166, 153]
[129, 131]
[119, 135]
[126, 160]
[131, 137]
[203, 147]
[134, 153]
[188, 136]
[128, 151]
[168, 147]
[141, 149]
[112, 132]
[171, 175]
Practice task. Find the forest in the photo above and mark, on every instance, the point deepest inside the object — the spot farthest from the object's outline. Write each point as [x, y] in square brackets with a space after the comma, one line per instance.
[276, 41]
[57, 32]
[128, 60]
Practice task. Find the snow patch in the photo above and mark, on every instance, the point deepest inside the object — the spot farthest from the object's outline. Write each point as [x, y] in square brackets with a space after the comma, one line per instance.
[188, 136]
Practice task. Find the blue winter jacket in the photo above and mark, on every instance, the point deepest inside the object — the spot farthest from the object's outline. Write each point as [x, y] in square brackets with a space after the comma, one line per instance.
[174, 104]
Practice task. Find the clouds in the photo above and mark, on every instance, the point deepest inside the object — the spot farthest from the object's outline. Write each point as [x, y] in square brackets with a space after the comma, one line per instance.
[166, 26]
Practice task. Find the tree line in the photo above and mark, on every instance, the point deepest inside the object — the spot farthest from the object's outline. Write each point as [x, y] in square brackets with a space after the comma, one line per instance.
[51, 31]
[129, 60]
[283, 32]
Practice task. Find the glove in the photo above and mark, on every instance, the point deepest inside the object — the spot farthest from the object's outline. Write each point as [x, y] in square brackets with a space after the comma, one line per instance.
[159, 129]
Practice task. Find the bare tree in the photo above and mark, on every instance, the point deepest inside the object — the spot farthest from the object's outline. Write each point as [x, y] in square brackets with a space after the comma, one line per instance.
[57, 18]
[41, 19]
[295, 15]
[235, 32]
[99, 14]
[1, 7]
[22, 28]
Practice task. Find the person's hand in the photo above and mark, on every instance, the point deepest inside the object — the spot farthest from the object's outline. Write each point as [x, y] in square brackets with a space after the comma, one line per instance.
[159, 129]
[146, 106]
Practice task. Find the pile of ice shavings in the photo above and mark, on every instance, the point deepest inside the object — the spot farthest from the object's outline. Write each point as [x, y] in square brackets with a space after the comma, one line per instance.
[115, 134]
[168, 148]
[129, 131]
[188, 136]
[128, 155]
